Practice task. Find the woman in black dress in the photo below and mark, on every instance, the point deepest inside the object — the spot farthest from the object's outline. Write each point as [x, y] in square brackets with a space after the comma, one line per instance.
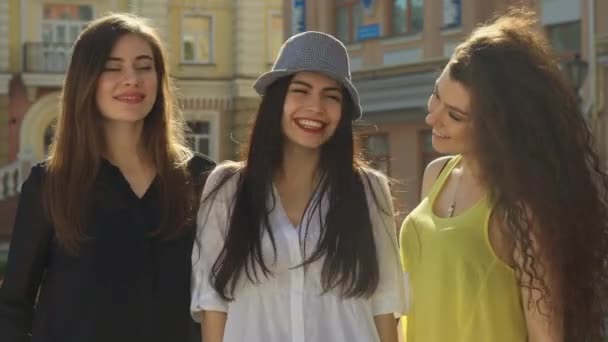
[104, 229]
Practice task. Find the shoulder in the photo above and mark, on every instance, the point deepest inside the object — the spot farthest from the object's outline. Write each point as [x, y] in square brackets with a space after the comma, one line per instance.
[200, 163]
[32, 185]
[223, 175]
[37, 173]
[434, 168]
[375, 183]
[431, 173]
[375, 177]
[225, 168]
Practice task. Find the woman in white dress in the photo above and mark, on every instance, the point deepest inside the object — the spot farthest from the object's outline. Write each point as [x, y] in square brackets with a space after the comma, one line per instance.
[297, 242]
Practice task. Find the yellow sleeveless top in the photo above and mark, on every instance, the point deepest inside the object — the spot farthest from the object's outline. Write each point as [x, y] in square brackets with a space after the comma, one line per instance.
[460, 290]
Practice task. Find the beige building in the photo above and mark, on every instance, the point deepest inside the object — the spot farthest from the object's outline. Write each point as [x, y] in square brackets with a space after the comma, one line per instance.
[216, 50]
[397, 49]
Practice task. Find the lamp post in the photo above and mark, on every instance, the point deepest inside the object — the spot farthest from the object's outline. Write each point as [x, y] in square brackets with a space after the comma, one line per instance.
[576, 72]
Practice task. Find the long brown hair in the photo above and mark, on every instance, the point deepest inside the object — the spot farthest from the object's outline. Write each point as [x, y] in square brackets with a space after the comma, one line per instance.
[536, 156]
[75, 153]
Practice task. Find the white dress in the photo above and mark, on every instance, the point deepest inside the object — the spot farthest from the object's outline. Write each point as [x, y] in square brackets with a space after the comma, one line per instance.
[288, 306]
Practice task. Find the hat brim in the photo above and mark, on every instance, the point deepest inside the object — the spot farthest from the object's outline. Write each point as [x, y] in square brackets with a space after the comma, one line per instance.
[266, 79]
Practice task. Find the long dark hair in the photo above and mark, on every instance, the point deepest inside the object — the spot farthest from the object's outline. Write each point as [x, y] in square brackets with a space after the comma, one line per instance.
[346, 240]
[75, 153]
[537, 160]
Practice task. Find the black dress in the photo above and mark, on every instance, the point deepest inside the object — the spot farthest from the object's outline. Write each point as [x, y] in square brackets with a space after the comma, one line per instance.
[125, 284]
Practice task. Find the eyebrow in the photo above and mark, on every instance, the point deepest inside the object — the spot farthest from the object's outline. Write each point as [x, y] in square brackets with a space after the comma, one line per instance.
[138, 58]
[454, 108]
[308, 85]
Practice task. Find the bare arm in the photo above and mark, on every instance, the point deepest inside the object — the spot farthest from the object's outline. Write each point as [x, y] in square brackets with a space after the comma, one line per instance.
[543, 325]
[212, 326]
[387, 327]
[543, 317]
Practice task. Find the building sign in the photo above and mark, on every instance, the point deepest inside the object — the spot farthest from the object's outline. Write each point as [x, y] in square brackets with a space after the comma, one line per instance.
[368, 31]
[452, 12]
[298, 16]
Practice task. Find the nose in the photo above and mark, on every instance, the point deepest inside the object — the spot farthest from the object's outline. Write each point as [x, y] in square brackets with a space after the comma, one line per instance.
[315, 103]
[131, 77]
[434, 111]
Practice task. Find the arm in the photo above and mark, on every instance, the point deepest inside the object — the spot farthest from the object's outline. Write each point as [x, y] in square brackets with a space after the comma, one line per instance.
[543, 318]
[387, 327]
[389, 299]
[207, 306]
[212, 326]
[26, 262]
[543, 325]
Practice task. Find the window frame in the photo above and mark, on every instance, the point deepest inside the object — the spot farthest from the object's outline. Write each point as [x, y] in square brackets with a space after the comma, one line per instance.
[565, 54]
[212, 117]
[372, 159]
[192, 39]
[351, 6]
[409, 15]
[451, 26]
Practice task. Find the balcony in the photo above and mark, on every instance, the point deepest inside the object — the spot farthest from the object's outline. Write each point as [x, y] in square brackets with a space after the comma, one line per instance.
[46, 58]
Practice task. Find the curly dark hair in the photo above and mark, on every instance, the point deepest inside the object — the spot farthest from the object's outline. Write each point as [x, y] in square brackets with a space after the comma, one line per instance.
[537, 158]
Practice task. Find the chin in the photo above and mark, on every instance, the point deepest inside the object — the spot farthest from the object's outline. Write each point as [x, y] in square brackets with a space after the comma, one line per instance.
[306, 145]
[443, 149]
[127, 117]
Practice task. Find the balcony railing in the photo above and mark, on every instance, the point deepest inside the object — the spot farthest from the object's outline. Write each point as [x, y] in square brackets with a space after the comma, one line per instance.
[46, 57]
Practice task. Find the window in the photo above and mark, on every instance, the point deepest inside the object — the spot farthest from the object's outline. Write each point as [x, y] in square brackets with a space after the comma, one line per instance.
[197, 39]
[376, 151]
[62, 23]
[348, 20]
[407, 16]
[275, 36]
[60, 27]
[451, 13]
[565, 37]
[198, 136]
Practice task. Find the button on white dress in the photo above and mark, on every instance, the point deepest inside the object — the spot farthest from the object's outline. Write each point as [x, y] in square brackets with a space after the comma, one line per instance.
[289, 305]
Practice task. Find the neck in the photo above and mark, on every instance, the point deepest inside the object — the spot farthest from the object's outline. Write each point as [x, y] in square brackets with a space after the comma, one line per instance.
[470, 168]
[299, 168]
[123, 144]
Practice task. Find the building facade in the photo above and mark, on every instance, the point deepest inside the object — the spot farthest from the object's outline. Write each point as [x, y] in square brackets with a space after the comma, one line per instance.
[216, 49]
[598, 58]
[398, 48]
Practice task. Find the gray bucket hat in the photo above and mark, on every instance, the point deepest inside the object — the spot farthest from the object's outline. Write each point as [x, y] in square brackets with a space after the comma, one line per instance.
[312, 51]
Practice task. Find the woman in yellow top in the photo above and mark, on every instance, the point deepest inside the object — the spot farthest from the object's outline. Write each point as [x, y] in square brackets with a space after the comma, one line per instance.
[510, 241]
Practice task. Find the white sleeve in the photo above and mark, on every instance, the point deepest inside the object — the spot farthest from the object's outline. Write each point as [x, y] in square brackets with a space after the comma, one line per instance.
[391, 294]
[212, 225]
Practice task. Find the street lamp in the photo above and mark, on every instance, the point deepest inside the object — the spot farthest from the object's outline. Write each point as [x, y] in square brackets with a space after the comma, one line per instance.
[576, 71]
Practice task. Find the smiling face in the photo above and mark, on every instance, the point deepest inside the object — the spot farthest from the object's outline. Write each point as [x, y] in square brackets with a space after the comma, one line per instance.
[449, 116]
[127, 87]
[312, 110]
